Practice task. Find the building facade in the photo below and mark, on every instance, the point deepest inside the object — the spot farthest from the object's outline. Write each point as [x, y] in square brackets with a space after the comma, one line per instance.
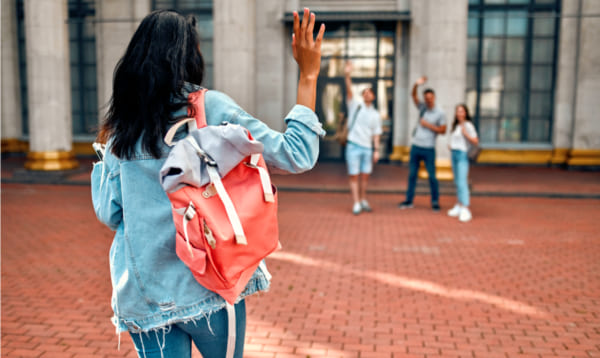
[527, 69]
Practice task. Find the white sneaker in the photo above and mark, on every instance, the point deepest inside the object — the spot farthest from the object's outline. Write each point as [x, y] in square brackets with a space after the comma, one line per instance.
[365, 206]
[356, 208]
[455, 211]
[465, 215]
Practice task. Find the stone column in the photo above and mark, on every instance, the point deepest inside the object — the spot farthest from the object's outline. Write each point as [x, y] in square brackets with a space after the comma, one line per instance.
[438, 50]
[564, 100]
[586, 131]
[49, 86]
[234, 50]
[402, 100]
[12, 126]
[271, 46]
[117, 20]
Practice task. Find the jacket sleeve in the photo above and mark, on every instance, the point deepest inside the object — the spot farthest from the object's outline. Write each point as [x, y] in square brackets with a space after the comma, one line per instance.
[106, 195]
[296, 150]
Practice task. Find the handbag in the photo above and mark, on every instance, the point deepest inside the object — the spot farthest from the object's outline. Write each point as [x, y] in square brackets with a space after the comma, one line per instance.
[473, 152]
[341, 133]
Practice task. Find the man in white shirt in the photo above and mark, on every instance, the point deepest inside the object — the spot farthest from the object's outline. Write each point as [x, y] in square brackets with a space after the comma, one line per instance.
[362, 148]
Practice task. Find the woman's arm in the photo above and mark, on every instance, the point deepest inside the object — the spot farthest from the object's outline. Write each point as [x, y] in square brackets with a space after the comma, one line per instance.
[307, 53]
[471, 138]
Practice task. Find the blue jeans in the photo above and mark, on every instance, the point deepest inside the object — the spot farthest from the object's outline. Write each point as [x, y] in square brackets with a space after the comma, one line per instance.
[460, 169]
[428, 156]
[211, 340]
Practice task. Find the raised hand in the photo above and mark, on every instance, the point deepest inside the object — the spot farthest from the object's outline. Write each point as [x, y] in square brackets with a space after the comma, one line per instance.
[307, 53]
[306, 50]
[348, 68]
[421, 80]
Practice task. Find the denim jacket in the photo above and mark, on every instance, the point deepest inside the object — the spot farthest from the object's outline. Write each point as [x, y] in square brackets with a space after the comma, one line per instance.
[152, 287]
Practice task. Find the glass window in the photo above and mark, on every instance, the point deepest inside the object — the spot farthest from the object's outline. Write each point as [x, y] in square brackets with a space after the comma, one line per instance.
[471, 77]
[541, 77]
[516, 23]
[386, 46]
[512, 104]
[510, 80]
[510, 129]
[493, 24]
[543, 24]
[386, 67]
[473, 24]
[491, 78]
[357, 46]
[515, 50]
[514, 77]
[540, 104]
[333, 47]
[539, 130]
[493, 50]
[82, 47]
[472, 50]
[489, 103]
[488, 130]
[542, 51]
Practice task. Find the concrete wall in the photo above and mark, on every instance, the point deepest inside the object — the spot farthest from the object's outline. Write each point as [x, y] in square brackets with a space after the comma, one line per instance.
[235, 50]
[587, 106]
[438, 49]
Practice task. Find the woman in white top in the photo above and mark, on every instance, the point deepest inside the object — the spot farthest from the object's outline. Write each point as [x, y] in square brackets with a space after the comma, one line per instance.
[463, 135]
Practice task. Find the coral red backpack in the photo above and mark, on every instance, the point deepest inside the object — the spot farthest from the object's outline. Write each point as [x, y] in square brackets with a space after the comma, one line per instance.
[224, 206]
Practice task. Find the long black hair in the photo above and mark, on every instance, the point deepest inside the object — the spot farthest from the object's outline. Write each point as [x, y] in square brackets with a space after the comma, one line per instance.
[163, 54]
[467, 116]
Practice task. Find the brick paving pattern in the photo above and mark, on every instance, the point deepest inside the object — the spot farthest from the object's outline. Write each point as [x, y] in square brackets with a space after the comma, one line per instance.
[521, 280]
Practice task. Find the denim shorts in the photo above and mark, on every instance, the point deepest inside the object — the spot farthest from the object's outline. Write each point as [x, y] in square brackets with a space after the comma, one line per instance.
[359, 159]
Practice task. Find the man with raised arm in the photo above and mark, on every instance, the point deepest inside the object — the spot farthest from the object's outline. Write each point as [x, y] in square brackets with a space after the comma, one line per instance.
[432, 121]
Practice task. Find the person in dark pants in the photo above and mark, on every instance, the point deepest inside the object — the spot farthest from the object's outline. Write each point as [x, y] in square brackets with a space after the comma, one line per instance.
[432, 121]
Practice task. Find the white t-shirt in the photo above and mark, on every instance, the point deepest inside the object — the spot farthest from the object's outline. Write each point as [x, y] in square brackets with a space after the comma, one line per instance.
[366, 125]
[458, 140]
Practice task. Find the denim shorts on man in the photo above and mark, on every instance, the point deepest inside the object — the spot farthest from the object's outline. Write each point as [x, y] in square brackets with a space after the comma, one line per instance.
[359, 159]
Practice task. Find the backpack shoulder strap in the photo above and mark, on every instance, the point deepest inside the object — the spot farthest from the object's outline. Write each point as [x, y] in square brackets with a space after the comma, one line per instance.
[197, 100]
[199, 121]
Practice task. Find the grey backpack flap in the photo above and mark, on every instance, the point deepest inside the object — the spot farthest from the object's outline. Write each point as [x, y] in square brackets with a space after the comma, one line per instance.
[226, 144]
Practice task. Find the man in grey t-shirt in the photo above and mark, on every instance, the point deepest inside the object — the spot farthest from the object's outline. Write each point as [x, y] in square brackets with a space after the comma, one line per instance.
[432, 121]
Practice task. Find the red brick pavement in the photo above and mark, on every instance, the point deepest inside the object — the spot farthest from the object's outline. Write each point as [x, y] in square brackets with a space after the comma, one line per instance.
[521, 280]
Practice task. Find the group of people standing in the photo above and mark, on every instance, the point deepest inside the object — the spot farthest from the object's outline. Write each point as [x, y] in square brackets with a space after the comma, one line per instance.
[362, 149]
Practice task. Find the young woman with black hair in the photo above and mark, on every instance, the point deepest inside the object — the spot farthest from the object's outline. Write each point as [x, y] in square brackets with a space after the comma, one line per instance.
[155, 297]
[462, 136]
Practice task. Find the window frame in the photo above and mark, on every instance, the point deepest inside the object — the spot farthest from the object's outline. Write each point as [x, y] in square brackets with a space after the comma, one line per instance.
[479, 10]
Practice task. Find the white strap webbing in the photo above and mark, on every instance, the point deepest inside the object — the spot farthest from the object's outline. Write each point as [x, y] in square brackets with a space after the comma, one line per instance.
[215, 179]
[187, 215]
[231, 330]
[234, 219]
[264, 178]
[191, 122]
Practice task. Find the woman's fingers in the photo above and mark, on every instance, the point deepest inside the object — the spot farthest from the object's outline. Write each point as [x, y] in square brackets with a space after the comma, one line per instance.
[304, 24]
[296, 24]
[310, 28]
[320, 36]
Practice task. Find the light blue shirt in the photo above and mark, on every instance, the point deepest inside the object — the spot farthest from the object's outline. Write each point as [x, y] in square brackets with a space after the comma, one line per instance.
[425, 137]
[152, 287]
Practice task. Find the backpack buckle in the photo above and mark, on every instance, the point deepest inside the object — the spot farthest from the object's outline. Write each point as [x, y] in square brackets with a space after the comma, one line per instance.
[190, 212]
